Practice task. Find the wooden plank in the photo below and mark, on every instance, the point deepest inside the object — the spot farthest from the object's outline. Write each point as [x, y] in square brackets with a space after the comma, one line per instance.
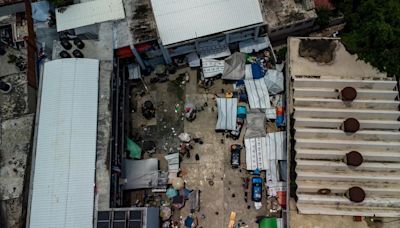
[335, 124]
[338, 103]
[369, 135]
[368, 94]
[346, 113]
[341, 83]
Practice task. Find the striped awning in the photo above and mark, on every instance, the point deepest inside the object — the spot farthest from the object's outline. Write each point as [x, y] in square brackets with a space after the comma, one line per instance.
[257, 92]
[227, 110]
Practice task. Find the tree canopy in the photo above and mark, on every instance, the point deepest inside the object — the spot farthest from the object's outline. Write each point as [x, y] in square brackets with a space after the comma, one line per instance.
[373, 31]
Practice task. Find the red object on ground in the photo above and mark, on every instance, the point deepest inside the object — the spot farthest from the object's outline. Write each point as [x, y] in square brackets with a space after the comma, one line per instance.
[357, 218]
[324, 4]
[281, 197]
[124, 52]
[142, 47]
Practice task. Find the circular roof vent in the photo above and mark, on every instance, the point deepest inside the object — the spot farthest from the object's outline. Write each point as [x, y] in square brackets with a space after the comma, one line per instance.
[354, 158]
[351, 125]
[356, 194]
[348, 94]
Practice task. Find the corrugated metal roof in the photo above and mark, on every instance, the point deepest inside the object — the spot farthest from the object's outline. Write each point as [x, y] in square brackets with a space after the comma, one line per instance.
[64, 167]
[89, 13]
[181, 20]
[322, 146]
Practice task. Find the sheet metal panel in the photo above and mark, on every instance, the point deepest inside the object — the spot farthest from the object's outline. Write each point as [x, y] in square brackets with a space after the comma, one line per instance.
[63, 179]
[227, 111]
[257, 92]
[181, 20]
[89, 13]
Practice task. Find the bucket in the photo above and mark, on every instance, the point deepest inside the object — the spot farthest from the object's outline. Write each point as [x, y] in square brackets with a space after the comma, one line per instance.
[268, 223]
[281, 197]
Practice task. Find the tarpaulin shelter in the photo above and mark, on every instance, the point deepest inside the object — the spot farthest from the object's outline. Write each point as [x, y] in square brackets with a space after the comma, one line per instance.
[257, 92]
[251, 45]
[227, 111]
[234, 67]
[134, 150]
[274, 81]
[265, 152]
[212, 67]
[255, 125]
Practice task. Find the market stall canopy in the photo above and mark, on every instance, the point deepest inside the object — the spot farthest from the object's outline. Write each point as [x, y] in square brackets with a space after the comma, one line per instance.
[257, 92]
[227, 110]
[234, 67]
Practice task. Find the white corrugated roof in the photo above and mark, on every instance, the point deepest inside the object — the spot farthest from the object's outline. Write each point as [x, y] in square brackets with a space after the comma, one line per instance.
[181, 20]
[89, 13]
[64, 167]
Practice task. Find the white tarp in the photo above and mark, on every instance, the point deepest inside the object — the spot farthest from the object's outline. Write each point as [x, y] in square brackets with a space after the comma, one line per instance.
[212, 67]
[276, 144]
[264, 152]
[193, 59]
[88, 13]
[255, 125]
[234, 67]
[256, 153]
[274, 80]
[227, 111]
[251, 45]
[257, 93]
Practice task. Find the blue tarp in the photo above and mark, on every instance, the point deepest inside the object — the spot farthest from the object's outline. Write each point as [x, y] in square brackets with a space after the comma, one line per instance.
[40, 11]
[257, 71]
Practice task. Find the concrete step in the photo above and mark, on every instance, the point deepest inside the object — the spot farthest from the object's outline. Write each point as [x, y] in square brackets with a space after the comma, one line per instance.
[349, 210]
[381, 156]
[349, 176]
[360, 114]
[302, 164]
[338, 103]
[335, 123]
[370, 201]
[362, 94]
[336, 187]
[347, 145]
[368, 135]
[341, 83]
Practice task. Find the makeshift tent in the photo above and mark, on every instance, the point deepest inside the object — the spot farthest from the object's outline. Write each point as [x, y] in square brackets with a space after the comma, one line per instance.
[265, 152]
[212, 67]
[274, 81]
[256, 153]
[257, 93]
[227, 110]
[134, 150]
[255, 125]
[234, 67]
[193, 59]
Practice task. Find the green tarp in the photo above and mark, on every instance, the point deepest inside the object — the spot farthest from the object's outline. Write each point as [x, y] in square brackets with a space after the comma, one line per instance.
[134, 150]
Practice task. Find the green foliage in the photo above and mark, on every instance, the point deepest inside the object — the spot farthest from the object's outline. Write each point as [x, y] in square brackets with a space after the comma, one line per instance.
[373, 32]
[281, 54]
[323, 17]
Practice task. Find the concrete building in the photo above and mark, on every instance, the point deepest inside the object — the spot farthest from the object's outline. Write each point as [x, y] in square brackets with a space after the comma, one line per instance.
[346, 132]
[167, 32]
[287, 17]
